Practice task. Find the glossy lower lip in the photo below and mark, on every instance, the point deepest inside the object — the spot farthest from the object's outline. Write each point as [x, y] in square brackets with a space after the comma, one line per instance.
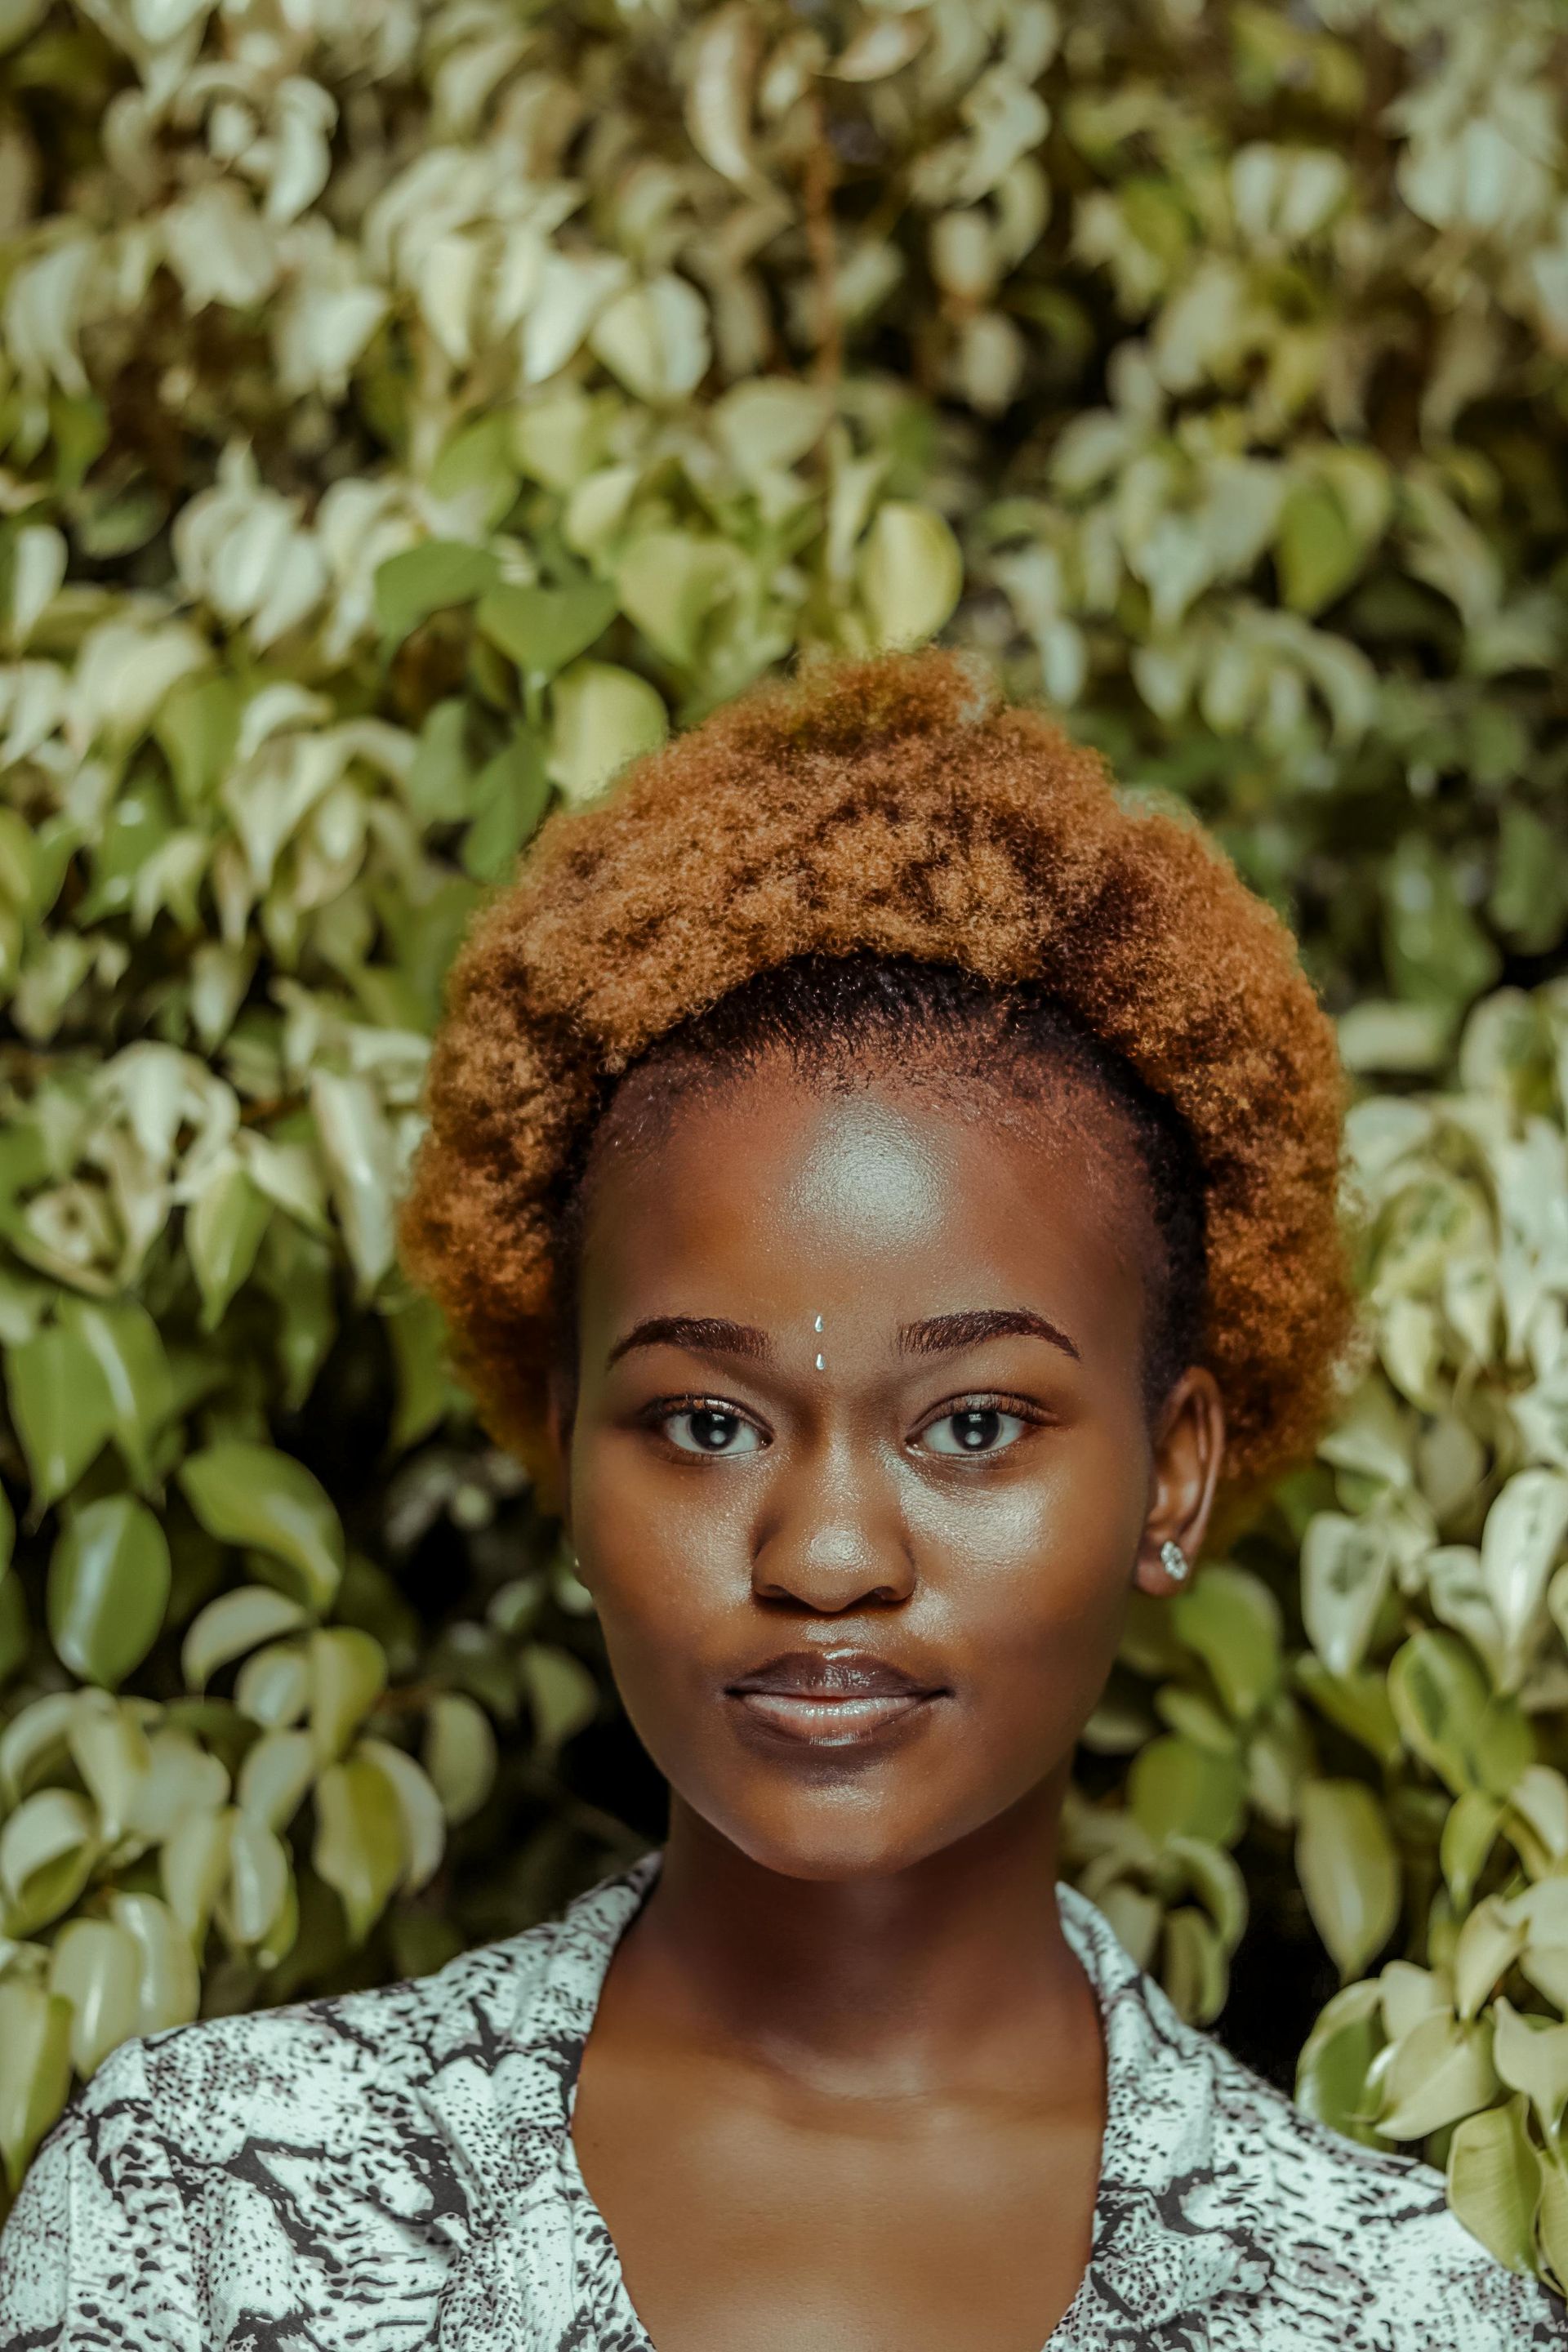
[816, 1720]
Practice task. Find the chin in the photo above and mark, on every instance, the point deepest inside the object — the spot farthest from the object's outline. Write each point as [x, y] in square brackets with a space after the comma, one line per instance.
[831, 1844]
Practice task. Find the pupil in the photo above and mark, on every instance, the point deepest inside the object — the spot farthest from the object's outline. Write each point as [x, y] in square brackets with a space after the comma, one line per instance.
[978, 1428]
[713, 1430]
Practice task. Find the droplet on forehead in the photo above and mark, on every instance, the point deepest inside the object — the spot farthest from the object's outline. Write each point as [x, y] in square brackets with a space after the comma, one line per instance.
[822, 1363]
[818, 1325]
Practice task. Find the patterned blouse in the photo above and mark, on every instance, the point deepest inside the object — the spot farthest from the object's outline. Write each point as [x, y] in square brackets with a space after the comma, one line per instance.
[394, 2171]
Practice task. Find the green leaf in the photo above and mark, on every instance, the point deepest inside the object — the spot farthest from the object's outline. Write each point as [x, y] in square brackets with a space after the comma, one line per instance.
[1232, 1621]
[128, 1350]
[1468, 1835]
[1348, 1869]
[459, 1754]
[1531, 2054]
[1529, 893]
[108, 1589]
[563, 1695]
[34, 2070]
[273, 1686]
[1494, 2182]
[1193, 1966]
[424, 1820]
[139, 825]
[358, 1848]
[1437, 951]
[1345, 1568]
[510, 796]
[111, 1750]
[95, 1967]
[256, 1496]
[911, 574]
[169, 1985]
[276, 1776]
[192, 1864]
[48, 1849]
[418, 1338]
[198, 728]
[348, 1674]
[601, 717]
[15, 1630]
[1317, 553]
[79, 422]
[440, 780]
[34, 1741]
[296, 1270]
[1357, 1703]
[543, 629]
[1176, 1789]
[361, 1154]
[257, 1892]
[232, 1624]
[1336, 2060]
[424, 580]
[1445, 1712]
[475, 469]
[1439, 2070]
[668, 583]
[61, 1406]
[1554, 2219]
[1216, 1880]
[224, 1226]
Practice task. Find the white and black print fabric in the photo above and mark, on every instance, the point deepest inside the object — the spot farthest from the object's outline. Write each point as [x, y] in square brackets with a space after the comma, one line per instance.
[393, 2172]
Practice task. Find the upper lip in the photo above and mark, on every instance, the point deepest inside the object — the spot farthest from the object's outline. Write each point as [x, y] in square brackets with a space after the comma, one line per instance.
[833, 1674]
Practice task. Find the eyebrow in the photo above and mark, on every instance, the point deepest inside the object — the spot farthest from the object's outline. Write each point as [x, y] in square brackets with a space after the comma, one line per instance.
[705, 1335]
[939, 1335]
[944, 1335]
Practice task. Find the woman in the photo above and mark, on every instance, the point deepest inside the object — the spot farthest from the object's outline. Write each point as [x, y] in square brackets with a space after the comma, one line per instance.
[885, 1187]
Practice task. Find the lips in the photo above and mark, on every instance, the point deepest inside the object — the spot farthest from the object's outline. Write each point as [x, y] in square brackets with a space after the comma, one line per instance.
[830, 1698]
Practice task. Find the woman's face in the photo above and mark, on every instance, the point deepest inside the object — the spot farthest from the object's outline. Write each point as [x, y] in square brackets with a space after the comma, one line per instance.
[858, 1467]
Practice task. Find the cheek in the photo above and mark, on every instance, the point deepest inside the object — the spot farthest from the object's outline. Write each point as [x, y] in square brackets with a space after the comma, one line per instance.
[663, 1553]
[1032, 1577]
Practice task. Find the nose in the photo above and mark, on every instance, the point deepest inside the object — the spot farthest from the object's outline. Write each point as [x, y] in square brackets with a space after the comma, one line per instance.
[833, 1538]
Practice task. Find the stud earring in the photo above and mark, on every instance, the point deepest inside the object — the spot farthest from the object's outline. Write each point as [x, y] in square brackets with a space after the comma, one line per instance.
[1174, 1563]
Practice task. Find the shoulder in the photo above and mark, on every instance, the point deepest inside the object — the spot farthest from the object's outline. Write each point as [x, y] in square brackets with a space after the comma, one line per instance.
[326, 2074]
[216, 2164]
[1348, 2245]
[1373, 2225]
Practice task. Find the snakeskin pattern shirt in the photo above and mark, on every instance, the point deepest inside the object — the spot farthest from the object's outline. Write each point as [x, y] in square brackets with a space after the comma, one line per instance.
[393, 2171]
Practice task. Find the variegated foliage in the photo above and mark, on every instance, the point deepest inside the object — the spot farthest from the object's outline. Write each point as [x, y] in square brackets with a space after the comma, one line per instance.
[407, 406]
[1372, 1691]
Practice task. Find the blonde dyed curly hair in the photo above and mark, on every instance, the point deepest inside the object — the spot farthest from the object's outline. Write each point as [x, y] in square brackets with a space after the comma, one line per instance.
[897, 807]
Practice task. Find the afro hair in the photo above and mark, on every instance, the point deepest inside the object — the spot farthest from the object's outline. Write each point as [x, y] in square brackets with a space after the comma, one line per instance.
[892, 807]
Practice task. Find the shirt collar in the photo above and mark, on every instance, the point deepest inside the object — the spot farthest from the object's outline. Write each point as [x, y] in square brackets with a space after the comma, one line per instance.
[1166, 2240]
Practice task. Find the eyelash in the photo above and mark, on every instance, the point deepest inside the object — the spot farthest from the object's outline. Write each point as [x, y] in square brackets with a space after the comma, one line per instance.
[973, 1401]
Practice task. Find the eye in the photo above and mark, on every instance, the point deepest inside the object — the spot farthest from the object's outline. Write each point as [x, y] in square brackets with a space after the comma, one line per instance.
[971, 1429]
[710, 1429]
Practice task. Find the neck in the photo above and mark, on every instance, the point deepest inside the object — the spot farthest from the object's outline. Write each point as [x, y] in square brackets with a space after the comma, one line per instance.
[900, 1978]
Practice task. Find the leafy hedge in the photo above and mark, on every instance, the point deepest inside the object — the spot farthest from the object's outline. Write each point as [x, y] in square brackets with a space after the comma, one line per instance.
[406, 411]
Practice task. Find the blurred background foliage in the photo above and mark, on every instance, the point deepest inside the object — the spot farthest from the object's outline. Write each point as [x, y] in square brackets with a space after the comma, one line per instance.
[410, 408]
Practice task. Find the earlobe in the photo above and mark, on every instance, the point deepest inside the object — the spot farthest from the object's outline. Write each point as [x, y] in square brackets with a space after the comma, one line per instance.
[1164, 1568]
[1189, 1454]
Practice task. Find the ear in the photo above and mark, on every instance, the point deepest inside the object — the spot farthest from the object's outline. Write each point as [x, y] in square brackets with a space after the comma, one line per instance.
[1189, 1449]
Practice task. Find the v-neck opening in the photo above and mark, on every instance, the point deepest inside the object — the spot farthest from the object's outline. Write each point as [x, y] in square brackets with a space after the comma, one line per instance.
[632, 2334]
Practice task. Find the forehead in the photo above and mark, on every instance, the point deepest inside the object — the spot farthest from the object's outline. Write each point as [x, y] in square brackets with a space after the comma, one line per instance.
[877, 1196]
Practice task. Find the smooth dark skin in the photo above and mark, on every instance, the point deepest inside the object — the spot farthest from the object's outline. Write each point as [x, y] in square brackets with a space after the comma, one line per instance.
[845, 2091]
